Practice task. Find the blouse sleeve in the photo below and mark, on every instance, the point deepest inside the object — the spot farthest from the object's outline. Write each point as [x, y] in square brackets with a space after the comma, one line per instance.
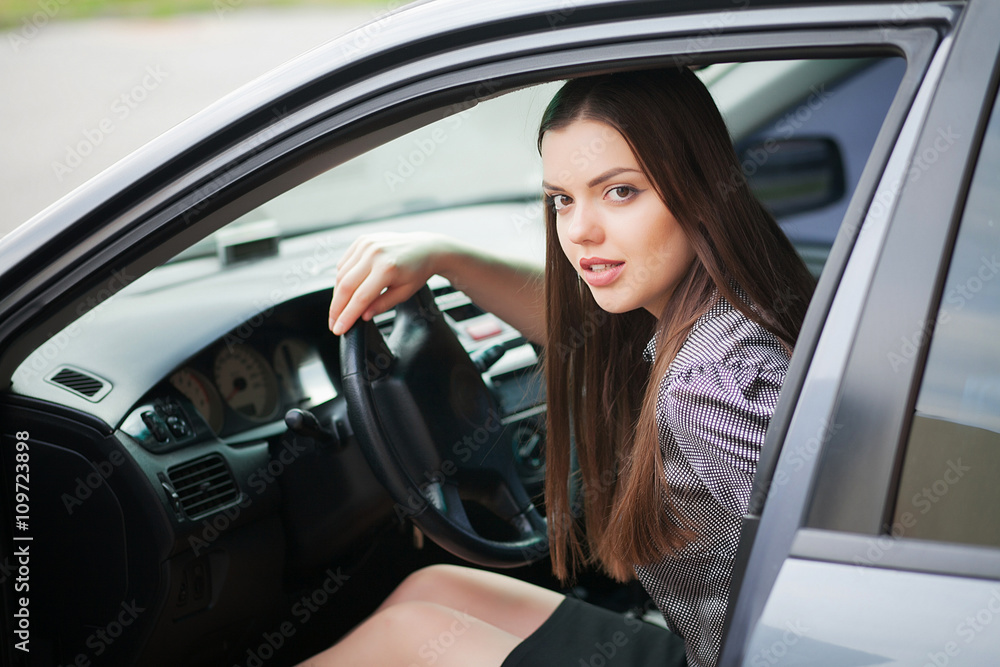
[718, 413]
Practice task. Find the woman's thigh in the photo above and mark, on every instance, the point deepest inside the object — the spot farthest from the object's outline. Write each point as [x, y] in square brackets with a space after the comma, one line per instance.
[511, 605]
[415, 634]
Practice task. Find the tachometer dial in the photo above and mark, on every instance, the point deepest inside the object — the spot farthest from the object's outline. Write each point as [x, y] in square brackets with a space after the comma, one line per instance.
[246, 382]
[202, 394]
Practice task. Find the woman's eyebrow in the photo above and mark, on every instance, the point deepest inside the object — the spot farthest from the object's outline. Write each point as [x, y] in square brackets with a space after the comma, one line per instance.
[610, 173]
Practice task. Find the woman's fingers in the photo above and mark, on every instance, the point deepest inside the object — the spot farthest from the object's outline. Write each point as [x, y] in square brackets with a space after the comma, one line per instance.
[349, 277]
[353, 254]
[390, 298]
[357, 301]
[396, 263]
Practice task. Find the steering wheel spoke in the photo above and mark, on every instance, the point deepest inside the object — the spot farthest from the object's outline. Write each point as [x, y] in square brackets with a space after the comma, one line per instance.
[432, 430]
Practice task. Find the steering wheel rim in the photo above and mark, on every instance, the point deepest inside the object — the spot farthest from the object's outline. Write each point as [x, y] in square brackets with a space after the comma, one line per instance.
[432, 432]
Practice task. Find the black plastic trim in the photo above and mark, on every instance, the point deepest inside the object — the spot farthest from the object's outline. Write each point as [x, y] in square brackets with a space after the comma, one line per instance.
[45, 407]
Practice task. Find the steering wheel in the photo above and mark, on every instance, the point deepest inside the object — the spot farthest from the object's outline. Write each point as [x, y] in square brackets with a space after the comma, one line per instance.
[432, 432]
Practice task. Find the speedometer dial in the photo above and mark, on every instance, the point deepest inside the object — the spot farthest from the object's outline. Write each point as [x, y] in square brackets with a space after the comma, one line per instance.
[199, 390]
[246, 382]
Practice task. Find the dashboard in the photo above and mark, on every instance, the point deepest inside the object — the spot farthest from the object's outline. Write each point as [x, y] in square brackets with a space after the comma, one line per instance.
[239, 387]
[195, 365]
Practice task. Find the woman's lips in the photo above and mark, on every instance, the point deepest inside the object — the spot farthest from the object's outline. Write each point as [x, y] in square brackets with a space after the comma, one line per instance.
[600, 272]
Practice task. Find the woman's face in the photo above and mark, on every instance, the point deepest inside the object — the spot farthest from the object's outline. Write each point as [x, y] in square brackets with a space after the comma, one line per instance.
[615, 230]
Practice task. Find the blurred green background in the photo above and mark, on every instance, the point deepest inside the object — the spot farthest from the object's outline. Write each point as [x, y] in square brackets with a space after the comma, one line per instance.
[15, 13]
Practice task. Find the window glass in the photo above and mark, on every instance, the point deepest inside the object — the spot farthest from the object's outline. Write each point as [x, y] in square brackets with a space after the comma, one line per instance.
[949, 482]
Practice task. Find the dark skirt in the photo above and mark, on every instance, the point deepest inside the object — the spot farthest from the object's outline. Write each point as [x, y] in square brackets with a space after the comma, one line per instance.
[578, 634]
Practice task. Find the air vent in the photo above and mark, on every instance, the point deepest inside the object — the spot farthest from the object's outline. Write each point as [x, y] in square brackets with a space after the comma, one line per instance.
[203, 485]
[80, 383]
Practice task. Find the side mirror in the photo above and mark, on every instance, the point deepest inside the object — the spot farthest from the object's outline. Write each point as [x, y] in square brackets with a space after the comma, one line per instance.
[793, 175]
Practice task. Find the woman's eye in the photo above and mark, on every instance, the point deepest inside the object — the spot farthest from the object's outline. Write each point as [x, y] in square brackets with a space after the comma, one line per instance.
[558, 202]
[621, 193]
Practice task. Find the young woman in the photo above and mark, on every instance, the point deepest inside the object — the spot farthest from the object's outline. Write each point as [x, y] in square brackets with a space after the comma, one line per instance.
[699, 297]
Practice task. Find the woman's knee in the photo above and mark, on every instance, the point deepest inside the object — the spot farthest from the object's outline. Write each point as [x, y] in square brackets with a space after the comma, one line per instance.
[418, 627]
[414, 633]
[412, 618]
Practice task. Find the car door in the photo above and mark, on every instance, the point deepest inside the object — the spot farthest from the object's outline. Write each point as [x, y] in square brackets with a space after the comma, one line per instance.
[358, 92]
[890, 496]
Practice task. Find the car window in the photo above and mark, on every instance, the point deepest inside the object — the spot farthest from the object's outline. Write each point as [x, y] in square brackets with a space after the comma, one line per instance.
[949, 486]
[803, 128]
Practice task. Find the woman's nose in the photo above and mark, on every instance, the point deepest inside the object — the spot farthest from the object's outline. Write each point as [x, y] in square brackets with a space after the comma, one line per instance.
[585, 225]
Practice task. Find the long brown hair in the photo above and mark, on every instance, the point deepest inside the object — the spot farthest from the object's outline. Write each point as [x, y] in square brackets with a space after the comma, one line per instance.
[599, 389]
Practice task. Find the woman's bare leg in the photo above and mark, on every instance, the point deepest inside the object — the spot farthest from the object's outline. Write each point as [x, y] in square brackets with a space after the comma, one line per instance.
[415, 634]
[447, 616]
[509, 604]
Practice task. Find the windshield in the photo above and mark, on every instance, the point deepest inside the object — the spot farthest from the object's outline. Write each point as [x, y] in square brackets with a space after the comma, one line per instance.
[483, 154]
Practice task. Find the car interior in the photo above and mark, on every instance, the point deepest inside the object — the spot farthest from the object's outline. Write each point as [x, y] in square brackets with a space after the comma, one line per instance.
[199, 473]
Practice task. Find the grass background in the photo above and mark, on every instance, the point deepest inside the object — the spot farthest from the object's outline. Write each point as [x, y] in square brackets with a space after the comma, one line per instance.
[15, 13]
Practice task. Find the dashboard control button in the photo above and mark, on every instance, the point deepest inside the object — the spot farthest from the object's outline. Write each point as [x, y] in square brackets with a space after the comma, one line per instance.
[155, 425]
[481, 330]
[179, 427]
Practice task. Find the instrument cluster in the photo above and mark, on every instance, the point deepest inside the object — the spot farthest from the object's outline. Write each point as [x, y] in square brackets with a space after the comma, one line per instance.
[241, 383]
[234, 386]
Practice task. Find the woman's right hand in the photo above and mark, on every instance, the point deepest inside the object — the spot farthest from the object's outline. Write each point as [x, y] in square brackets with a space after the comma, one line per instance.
[397, 263]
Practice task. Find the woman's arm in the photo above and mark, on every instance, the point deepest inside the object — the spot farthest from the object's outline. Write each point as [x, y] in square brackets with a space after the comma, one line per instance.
[379, 271]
